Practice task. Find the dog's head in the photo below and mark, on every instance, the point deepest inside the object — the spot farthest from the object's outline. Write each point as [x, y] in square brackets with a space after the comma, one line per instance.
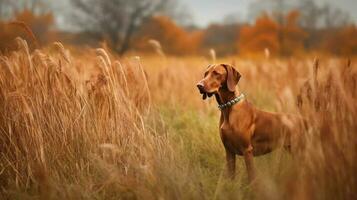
[217, 77]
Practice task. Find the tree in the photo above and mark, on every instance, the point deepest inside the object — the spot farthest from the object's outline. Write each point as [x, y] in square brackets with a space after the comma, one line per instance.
[173, 38]
[334, 17]
[40, 24]
[293, 36]
[312, 15]
[221, 38]
[117, 20]
[260, 36]
[344, 42]
[32, 27]
[283, 37]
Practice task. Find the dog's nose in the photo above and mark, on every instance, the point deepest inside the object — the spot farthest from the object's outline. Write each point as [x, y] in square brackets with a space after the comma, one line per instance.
[200, 87]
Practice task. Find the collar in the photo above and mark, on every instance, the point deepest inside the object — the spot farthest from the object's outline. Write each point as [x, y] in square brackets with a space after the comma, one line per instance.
[231, 102]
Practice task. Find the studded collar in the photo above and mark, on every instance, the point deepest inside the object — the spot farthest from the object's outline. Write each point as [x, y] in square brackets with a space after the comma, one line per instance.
[231, 102]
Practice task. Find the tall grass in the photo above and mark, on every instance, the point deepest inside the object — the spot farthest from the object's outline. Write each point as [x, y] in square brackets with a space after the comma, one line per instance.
[91, 125]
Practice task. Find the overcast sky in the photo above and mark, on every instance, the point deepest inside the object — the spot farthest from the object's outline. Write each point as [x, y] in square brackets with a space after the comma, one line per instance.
[206, 11]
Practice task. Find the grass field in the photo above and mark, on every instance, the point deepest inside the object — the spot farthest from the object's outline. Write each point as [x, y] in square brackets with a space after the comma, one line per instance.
[86, 124]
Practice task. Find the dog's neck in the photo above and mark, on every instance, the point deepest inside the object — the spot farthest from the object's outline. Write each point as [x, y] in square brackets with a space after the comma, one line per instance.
[224, 95]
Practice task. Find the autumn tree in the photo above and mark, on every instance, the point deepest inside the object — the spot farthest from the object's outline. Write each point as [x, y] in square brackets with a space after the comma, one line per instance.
[317, 19]
[292, 34]
[117, 20]
[283, 38]
[41, 25]
[221, 37]
[173, 38]
[262, 35]
[344, 42]
[29, 19]
[34, 28]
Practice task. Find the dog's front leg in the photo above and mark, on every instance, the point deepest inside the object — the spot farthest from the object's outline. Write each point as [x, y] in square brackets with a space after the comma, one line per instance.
[231, 164]
[248, 158]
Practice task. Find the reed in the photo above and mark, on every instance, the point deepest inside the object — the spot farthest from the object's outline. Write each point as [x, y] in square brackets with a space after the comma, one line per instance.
[98, 126]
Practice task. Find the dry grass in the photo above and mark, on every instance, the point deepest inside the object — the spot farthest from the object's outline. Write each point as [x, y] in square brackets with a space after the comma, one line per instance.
[93, 126]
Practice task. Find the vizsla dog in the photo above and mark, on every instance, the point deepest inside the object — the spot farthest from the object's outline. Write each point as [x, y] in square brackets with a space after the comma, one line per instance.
[244, 130]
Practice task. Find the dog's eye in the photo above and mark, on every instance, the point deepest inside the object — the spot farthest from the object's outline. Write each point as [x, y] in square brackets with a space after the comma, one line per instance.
[206, 73]
[215, 73]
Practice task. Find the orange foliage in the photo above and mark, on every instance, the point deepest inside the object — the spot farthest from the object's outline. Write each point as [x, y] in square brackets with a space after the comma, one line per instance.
[263, 34]
[293, 35]
[173, 38]
[344, 42]
[266, 33]
[40, 25]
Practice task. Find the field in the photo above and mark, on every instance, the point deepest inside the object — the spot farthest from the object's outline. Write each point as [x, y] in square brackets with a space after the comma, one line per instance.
[87, 124]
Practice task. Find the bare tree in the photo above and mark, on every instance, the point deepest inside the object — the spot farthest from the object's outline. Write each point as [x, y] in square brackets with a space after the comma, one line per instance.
[315, 16]
[334, 17]
[310, 15]
[117, 20]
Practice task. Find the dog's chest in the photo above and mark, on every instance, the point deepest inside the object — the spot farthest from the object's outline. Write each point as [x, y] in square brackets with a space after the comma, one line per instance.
[230, 139]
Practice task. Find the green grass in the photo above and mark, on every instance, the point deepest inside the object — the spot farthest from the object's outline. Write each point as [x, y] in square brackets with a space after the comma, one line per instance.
[195, 137]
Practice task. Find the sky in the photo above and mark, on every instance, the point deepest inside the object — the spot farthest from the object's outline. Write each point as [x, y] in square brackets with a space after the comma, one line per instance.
[205, 12]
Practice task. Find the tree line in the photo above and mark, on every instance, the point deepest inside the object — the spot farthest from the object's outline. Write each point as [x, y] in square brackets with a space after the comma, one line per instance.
[130, 25]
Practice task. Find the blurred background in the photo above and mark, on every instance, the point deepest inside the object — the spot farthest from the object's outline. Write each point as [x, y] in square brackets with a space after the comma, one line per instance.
[281, 28]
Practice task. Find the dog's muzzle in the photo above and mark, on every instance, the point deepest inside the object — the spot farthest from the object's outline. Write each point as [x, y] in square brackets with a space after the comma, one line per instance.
[202, 90]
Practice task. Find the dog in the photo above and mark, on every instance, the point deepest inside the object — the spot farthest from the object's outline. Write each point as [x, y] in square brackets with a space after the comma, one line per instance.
[244, 129]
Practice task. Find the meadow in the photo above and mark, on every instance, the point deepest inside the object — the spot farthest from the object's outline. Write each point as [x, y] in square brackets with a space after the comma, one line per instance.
[88, 124]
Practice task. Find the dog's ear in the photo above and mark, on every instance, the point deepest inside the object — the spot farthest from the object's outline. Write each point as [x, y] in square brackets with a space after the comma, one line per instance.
[233, 77]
